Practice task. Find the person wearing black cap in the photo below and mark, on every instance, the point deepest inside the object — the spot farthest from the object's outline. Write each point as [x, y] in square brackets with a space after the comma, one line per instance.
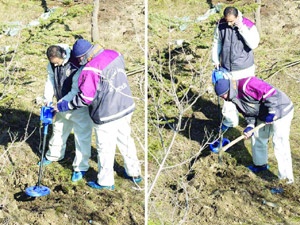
[104, 88]
[259, 102]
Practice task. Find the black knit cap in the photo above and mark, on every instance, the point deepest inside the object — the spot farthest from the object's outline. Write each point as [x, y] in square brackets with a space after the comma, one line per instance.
[81, 47]
[222, 87]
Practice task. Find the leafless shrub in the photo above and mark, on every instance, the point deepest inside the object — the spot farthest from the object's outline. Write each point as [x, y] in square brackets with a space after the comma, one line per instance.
[175, 85]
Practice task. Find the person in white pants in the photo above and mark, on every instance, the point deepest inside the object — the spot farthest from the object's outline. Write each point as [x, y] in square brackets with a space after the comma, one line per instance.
[104, 88]
[62, 82]
[259, 102]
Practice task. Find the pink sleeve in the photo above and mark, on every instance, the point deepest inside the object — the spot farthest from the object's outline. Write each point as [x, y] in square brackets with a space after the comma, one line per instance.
[88, 82]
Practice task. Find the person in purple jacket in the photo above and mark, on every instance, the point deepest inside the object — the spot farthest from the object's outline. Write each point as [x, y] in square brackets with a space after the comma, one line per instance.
[104, 88]
[259, 102]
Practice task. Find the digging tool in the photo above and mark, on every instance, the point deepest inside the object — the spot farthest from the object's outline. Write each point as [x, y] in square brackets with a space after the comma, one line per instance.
[216, 75]
[220, 155]
[39, 190]
[226, 147]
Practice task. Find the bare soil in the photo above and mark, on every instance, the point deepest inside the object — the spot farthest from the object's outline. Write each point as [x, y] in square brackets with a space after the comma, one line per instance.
[121, 26]
[206, 190]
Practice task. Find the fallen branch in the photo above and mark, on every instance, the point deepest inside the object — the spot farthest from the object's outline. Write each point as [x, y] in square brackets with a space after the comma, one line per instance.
[284, 67]
[135, 71]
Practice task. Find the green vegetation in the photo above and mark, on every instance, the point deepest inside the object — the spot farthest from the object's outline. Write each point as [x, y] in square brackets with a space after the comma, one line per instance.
[22, 77]
[28, 49]
[188, 183]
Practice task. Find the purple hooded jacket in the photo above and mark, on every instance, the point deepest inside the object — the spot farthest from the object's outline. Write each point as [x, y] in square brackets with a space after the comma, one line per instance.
[255, 99]
[103, 86]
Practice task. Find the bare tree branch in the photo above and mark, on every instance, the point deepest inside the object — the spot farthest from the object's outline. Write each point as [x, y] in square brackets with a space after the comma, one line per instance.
[95, 29]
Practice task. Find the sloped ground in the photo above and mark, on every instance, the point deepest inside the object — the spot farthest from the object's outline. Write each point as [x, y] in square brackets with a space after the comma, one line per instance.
[121, 26]
[204, 190]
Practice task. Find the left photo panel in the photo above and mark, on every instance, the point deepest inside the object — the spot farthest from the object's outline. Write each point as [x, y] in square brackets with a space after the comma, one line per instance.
[72, 112]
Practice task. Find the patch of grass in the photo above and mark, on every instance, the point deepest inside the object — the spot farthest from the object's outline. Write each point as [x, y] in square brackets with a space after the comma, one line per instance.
[59, 209]
[153, 222]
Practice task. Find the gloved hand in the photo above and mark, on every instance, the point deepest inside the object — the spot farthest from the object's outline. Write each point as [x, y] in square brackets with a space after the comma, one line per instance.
[247, 129]
[63, 106]
[270, 117]
[216, 75]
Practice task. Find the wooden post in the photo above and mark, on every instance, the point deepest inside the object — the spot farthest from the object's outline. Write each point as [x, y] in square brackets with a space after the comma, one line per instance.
[95, 30]
[257, 16]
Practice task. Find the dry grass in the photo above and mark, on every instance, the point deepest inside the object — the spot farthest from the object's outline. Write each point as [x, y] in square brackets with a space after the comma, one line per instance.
[210, 192]
[67, 203]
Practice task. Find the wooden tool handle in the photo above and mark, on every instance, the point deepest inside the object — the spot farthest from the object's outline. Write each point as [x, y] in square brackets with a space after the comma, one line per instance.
[242, 137]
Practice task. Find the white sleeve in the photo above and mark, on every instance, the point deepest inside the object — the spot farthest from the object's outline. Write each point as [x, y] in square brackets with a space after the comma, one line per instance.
[74, 91]
[250, 35]
[216, 48]
[49, 85]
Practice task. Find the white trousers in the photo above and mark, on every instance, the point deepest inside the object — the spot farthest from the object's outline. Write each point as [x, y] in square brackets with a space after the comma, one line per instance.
[229, 111]
[230, 114]
[280, 130]
[80, 121]
[108, 136]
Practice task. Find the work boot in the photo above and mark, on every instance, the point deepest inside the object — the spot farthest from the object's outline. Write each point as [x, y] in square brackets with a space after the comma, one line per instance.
[45, 162]
[136, 179]
[94, 184]
[256, 169]
[77, 175]
[277, 190]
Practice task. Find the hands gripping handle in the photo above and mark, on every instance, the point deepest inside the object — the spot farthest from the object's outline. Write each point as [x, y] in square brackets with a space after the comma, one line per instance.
[46, 117]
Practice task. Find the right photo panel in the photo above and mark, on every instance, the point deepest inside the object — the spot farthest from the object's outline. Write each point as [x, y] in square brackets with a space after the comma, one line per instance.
[223, 112]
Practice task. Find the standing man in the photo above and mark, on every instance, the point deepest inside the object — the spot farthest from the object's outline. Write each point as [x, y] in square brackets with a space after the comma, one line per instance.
[62, 82]
[260, 102]
[104, 88]
[235, 38]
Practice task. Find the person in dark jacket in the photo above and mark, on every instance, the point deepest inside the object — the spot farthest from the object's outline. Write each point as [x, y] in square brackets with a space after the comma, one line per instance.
[104, 88]
[259, 102]
[235, 38]
[62, 84]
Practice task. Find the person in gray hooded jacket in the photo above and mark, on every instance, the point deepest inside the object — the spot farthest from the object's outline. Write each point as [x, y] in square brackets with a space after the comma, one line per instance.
[104, 89]
[259, 102]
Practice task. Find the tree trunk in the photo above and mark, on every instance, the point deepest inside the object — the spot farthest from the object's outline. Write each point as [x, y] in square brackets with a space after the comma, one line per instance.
[95, 30]
[257, 16]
